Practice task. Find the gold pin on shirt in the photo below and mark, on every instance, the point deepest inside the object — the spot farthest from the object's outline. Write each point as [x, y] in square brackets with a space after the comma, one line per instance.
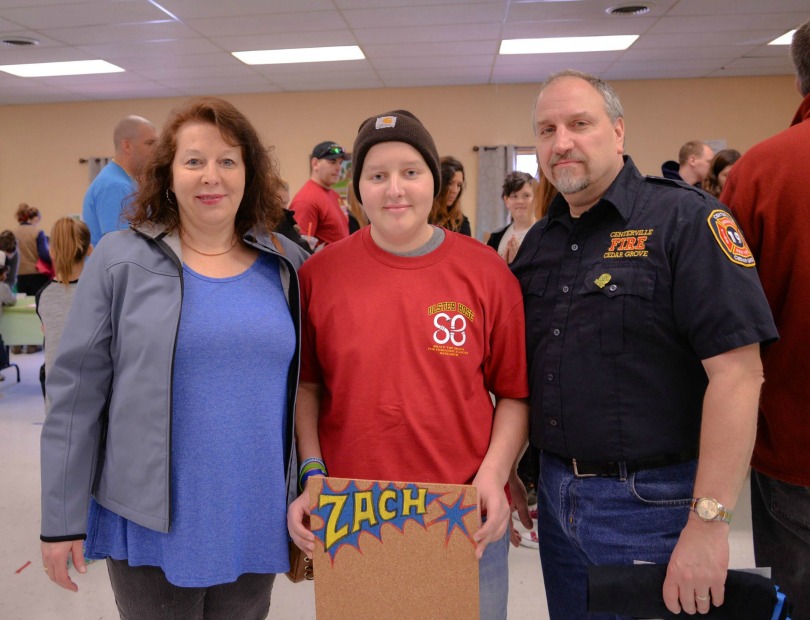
[602, 280]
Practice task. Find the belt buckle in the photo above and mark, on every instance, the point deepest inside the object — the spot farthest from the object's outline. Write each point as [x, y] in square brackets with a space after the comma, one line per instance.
[579, 475]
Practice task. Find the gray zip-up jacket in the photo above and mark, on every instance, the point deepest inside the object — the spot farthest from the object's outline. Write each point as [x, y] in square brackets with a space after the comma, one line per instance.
[109, 428]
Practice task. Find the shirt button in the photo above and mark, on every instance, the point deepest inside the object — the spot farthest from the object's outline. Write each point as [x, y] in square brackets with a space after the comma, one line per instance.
[565, 289]
[612, 287]
[575, 247]
[550, 377]
[553, 422]
[556, 332]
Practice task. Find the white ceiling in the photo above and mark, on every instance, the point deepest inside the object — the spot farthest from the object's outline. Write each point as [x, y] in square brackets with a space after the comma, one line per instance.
[175, 48]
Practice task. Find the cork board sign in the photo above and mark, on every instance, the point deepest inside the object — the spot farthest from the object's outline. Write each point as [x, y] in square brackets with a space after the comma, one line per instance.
[394, 549]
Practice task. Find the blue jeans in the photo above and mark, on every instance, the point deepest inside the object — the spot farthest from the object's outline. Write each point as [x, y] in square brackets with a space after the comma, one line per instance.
[493, 580]
[780, 515]
[590, 521]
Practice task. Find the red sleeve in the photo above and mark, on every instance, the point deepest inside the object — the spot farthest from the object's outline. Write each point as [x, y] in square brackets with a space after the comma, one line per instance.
[306, 216]
[310, 369]
[505, 369]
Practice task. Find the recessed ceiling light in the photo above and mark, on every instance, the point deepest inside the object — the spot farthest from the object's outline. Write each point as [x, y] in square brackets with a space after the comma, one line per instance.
[563, 45]
[629, 9]
[785, 39]
[303, 54]
[49, 69]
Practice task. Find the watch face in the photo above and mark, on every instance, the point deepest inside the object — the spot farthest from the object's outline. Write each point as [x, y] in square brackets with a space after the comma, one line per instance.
[707, 509]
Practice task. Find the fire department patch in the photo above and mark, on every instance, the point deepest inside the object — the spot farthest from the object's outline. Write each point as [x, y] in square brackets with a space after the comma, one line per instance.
[730, 239]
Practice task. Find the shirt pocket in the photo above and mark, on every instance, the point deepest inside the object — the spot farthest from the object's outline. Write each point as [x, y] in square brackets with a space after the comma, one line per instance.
[537, 306]
[621, 300]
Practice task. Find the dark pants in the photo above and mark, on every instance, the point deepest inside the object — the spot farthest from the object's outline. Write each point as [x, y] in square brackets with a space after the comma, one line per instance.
[4, 357]
[780, 515]
[144, 593]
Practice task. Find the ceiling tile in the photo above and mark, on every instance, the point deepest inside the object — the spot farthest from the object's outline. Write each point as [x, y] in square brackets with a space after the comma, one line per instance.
[400, 62]
[110, 51]
[195, 9]
[462, 32]
[574, 28]
[85, 14]
[244, 43]
[736, 7]
[700, 39]
[122, 33]
[580, 9]
[778, 22]
[376, 4]
[159, 63]
[423, 50]
[240, 25]
[401, 16]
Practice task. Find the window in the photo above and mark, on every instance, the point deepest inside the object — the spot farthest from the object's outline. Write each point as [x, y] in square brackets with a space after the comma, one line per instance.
[526, 160]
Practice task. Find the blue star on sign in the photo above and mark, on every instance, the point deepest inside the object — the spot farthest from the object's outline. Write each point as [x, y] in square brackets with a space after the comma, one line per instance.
[454, 517]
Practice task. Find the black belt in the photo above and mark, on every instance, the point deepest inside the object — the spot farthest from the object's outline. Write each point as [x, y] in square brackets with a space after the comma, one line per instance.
[589, 469]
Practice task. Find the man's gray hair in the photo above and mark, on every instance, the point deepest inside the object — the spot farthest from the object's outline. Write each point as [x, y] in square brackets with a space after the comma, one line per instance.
[613, 106]
[800, 51]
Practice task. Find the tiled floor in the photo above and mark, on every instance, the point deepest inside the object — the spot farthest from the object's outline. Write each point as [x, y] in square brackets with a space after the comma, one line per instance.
[26, 594]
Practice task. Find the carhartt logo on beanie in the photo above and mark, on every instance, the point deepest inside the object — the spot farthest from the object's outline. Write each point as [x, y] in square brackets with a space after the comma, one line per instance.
[396, 126]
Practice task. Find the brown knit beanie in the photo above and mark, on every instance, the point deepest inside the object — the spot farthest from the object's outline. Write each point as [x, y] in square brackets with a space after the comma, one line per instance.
[396, 126]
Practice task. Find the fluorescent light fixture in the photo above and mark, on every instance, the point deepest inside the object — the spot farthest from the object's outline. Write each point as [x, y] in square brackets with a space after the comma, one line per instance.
[564, 45]
[49, 69]
[302, 54]
[785, 39]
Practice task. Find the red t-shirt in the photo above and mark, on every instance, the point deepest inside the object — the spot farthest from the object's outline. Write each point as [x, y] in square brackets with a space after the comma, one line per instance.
[408, 350]
[318, 213]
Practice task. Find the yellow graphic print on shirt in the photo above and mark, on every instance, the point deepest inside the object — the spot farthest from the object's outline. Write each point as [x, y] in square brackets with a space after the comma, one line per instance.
[629, 243]
[449, 325]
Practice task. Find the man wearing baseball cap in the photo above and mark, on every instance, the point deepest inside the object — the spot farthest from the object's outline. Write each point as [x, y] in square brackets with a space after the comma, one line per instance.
[430, 322]
[316, 205]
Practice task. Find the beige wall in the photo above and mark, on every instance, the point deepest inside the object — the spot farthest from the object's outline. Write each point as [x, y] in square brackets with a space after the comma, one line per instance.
[40, 145]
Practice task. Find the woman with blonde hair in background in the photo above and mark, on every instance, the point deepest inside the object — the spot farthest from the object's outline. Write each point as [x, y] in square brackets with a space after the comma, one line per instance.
[446, 211]
[70, 246]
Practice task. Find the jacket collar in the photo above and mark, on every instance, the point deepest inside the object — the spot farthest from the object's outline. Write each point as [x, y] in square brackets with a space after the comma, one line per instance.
[803, 113]
[159, 232]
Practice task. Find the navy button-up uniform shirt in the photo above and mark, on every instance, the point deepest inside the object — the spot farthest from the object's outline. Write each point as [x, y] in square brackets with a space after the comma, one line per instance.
[622, 304]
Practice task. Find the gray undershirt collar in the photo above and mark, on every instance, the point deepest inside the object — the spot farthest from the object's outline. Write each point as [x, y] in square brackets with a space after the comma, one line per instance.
[434, 242]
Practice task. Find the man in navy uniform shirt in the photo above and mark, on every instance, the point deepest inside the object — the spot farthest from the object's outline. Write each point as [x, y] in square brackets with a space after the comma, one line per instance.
[644, 319]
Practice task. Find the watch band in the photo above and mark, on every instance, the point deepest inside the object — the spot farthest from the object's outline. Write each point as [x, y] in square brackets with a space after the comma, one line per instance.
[709, 509]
